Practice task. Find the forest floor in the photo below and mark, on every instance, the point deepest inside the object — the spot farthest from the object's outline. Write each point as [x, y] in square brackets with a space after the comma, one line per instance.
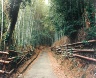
[50, 65]
[23, 67]
[74, 67]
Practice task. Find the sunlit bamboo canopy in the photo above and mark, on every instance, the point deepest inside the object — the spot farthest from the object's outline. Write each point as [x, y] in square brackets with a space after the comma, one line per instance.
[41, 22]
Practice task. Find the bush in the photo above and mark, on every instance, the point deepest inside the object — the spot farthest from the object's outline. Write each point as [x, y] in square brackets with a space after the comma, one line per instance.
[91, 33]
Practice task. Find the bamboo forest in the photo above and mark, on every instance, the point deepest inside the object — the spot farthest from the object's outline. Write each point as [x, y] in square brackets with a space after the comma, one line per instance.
[47, 38]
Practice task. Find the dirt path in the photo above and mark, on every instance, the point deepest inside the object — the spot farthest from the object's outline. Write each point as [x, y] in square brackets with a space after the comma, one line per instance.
[41, 68]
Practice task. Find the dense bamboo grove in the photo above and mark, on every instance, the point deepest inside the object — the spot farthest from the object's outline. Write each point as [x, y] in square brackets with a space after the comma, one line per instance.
[41, 22]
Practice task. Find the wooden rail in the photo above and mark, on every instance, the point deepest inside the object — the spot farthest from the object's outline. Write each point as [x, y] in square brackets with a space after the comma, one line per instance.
[1, 71]
[1, 52]
[84, 57]
[10, 59]
[90, 41]
[11, 71]
[5, 62]
[5, 72]
[21, 59]
[82, 50]
[75, 50]
[78, 43]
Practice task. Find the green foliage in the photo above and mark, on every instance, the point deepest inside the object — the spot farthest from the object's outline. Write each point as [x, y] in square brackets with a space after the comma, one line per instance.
[67, 15]
[42, 38]
[12, 47]
[91, 33]
[16, 59]
[90, 9]
[33, 26]
[69, 30]
[85, 42]
[25, 3]
[70, 15]
[37, 26]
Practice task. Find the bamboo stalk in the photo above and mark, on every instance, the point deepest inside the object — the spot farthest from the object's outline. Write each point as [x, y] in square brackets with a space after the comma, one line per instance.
[2, 21]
